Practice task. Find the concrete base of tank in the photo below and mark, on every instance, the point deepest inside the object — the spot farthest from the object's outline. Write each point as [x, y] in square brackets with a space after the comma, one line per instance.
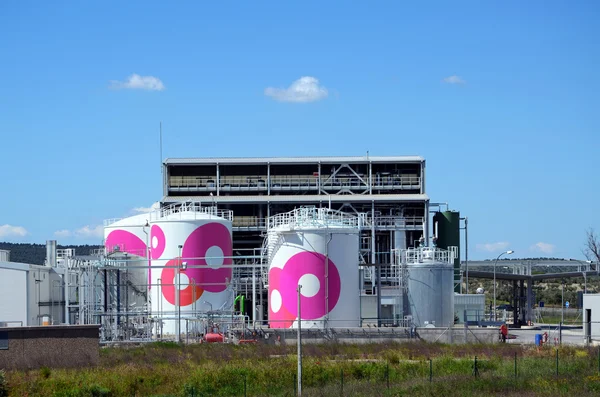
[383, 334]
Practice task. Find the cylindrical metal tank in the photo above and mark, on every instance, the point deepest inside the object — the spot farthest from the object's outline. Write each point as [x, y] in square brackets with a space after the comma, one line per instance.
[51, 253]
[318, 249]
[446, 227]
[430, 286]
[130, 235]
[4, 256]
[194, 242]
[127, 235]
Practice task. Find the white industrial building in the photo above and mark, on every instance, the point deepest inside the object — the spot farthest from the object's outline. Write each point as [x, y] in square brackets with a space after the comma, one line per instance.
[591, 317]
[30, 294]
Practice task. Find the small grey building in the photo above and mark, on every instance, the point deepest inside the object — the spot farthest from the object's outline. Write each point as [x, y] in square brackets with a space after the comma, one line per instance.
[591, 317]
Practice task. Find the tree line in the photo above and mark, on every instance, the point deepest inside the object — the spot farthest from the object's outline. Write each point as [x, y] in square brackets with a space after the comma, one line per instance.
[35, 254]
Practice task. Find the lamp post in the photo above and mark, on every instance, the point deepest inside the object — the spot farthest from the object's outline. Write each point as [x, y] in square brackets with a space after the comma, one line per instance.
[562, 302]
[177, 302]
[495, 262]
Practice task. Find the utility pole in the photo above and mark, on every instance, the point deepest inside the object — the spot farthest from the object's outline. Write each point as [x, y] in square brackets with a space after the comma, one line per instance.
[299, 344]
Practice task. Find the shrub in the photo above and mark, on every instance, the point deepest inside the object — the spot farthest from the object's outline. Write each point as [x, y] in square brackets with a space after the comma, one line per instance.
[3, 384]
[45, 372]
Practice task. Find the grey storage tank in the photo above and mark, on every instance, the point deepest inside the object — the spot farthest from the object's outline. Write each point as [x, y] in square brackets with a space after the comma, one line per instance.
[429, 286]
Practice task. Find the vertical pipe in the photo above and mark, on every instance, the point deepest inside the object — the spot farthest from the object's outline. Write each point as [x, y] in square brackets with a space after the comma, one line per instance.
[562, 302]
[467, 251]
[268, 180]
[370, 177]
[373, 260]
[177, 297]
[378, 275]
[319, 179]
[423, 177]
[299, 343]
[326, 322]
[118, 297]
[66, 276]
[218, 177]
[253, 296]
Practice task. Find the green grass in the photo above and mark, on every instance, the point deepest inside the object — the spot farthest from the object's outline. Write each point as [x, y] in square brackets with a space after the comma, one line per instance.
[366, 370]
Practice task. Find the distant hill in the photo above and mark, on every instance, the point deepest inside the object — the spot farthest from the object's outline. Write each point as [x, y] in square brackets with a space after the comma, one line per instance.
[35, 254]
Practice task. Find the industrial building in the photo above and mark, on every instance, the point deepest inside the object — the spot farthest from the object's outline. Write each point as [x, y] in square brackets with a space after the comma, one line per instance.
[233, 237]
[32, 295]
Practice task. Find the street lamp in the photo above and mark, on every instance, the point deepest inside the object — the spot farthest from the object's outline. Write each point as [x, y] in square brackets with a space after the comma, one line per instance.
[177, 302]
[496, 261]
[584, 272]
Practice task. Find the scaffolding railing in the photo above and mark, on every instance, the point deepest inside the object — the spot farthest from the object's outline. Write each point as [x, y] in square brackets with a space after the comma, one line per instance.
[313, 217]
[190, 207]
[225, 182]
[393, 222]
[249, 222]
[425, 254]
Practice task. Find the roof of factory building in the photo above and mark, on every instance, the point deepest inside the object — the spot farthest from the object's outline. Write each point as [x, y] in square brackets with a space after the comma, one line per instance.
[292, 160]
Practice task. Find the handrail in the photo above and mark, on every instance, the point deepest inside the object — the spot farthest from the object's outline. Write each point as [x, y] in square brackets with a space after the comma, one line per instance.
[425, 255]
[108, 222]
[391, 220]
[313, 217]
[249, 221]
[282, 181]
[194, 207]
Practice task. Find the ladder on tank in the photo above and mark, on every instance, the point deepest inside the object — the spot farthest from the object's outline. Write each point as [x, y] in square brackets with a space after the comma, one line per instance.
[269, 248]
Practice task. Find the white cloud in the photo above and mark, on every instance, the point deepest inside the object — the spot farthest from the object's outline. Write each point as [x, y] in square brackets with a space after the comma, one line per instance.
[143, 210]
[12, 231]
[62, 233]
[493, 247]
[137, 82]
[90, 232]
[543, 247]
[454, 79]
[305, 89]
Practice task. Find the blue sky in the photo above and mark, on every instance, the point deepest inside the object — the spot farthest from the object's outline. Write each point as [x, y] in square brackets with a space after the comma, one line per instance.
[500, 97]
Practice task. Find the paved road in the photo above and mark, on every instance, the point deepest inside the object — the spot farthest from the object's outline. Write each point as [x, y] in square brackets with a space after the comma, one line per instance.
[569, 337]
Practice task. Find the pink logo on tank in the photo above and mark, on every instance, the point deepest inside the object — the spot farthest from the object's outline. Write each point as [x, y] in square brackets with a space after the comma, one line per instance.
[158, 242]
[317, 279]
[207, 253]
[124, 241]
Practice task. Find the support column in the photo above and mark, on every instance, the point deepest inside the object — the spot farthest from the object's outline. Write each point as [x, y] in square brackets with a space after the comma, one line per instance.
[515, 303]
[529, 301]
[218, 181]
[521, 303]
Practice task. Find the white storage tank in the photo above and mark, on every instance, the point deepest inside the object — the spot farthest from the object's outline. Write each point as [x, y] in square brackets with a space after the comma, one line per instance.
[127, 235]
[319, 249]
[430, 286]
[195, 242]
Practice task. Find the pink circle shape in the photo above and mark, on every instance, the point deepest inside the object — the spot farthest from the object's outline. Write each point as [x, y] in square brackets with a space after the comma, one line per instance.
[309, 263]
[161, 241]
[194, 253]
[281, 318]
[125, 241]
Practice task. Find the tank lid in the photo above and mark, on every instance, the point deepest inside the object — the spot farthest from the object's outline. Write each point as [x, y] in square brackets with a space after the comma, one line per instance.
[313, 217]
